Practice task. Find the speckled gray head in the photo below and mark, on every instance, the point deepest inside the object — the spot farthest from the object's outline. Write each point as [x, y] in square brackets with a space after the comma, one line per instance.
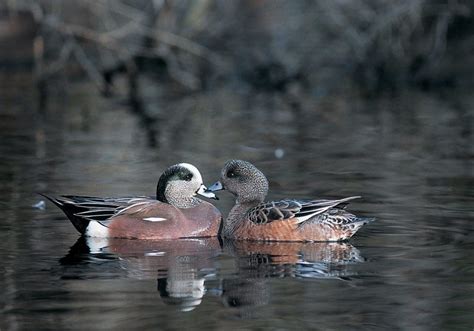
[179, 183]
[243, 180]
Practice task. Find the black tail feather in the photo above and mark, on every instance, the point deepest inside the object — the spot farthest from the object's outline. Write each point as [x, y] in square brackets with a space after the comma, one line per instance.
[70, 210]
[52, 199]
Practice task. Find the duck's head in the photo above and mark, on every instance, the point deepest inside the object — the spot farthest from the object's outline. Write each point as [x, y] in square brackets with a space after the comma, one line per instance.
[179, 182]
[243, 180]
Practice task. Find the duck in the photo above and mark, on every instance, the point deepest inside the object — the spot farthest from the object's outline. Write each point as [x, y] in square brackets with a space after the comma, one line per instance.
[176, 212]
[252, 218]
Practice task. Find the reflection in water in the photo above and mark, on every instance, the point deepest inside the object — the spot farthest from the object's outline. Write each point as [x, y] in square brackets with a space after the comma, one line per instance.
[181, 266]
[408, 155]
[293, 259]
[258, 261]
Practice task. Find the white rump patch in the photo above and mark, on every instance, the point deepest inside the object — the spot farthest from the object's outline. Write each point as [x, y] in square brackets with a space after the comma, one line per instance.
[154, 219]
[193, 170]
[97, 230]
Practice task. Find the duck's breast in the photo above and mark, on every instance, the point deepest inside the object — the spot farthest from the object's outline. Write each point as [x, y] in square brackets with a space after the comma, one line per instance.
[204, 220]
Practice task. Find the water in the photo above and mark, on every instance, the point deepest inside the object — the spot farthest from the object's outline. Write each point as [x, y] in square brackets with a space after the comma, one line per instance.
[410, 157]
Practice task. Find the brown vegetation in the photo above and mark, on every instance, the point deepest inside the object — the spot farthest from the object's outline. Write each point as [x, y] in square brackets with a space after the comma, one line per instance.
[268, 45]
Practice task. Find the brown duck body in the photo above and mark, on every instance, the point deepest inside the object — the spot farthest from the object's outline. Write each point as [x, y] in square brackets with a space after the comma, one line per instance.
[329, 224]
[286, 220]
[203, 220]
[290, 230]
[139, 218]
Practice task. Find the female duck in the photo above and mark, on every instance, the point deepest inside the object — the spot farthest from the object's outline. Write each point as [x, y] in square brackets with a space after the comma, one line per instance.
[285, 220]
[175, 213]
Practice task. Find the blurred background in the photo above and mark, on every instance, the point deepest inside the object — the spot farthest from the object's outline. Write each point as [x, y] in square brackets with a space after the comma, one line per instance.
[328, 98]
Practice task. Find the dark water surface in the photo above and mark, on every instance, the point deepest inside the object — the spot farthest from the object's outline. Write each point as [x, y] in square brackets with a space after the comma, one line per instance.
[410, 157]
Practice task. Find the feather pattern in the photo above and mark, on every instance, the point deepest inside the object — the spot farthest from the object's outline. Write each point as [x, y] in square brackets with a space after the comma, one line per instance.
[98, 209]
[271, 211]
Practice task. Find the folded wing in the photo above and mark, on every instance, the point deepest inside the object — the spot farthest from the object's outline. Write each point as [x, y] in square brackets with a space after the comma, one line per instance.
[288, 209]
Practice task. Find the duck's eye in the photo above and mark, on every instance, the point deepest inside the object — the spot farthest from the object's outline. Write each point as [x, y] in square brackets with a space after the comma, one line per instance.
[231, 174]
[188, 177]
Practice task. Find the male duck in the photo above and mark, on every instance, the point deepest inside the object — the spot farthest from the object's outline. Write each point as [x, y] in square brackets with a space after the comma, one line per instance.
[285, 220]
[175, 213]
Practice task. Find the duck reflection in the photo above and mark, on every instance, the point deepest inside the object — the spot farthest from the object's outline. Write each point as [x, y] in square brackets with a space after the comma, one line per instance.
[180, 266]
[258, 261]
[188, 269]
[292, 259]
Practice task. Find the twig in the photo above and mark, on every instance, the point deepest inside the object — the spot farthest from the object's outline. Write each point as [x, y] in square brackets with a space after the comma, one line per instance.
[88, 66]
[57, 65]
[165, 37]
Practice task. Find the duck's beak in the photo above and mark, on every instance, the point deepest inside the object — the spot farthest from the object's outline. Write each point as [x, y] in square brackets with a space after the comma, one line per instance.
[206, 193]
[217, 186]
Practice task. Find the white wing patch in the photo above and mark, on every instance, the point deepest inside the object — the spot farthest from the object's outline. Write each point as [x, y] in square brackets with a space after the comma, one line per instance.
[155, 254]
[154, 219]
